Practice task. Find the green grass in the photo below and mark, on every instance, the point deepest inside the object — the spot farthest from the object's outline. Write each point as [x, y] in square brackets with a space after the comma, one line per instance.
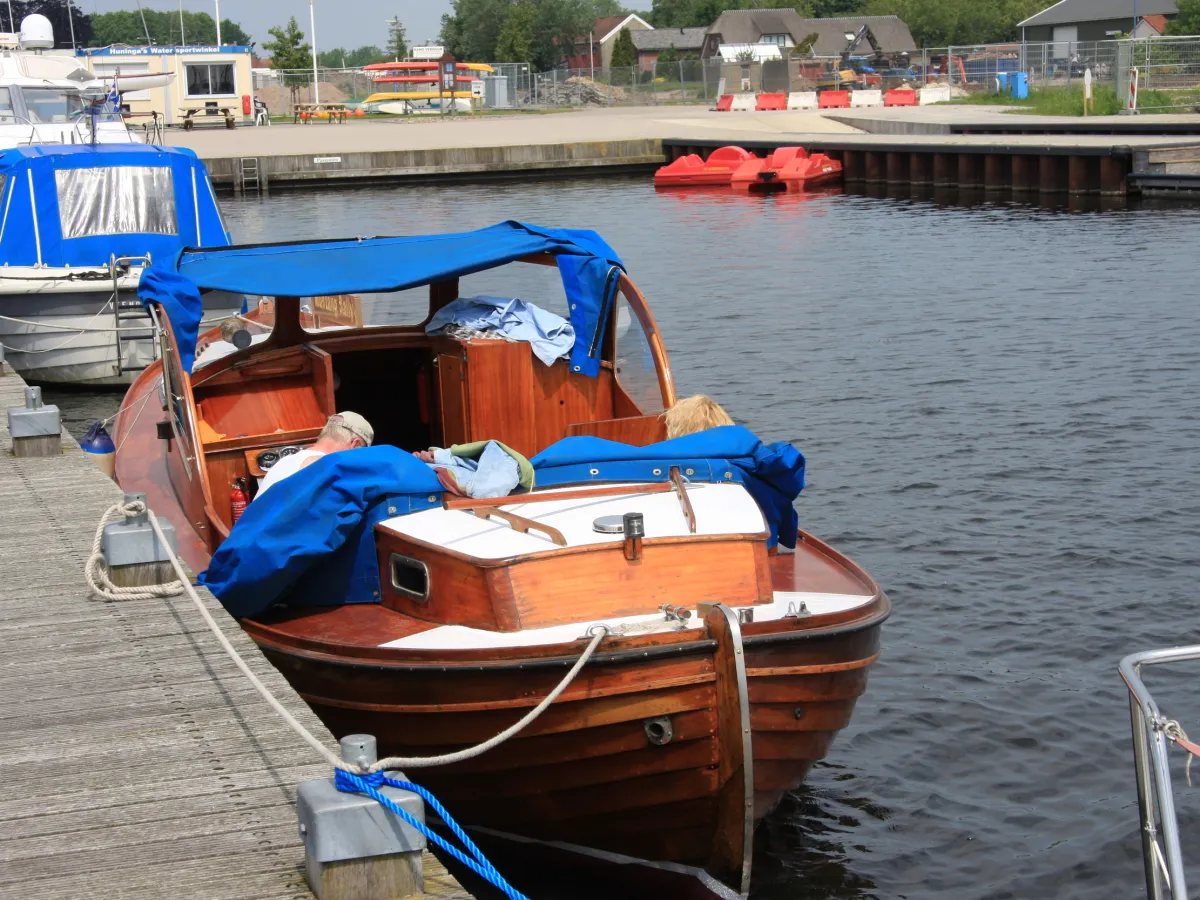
[1060, 102]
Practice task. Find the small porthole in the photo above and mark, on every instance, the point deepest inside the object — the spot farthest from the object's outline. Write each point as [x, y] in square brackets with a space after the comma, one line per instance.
[410, 577]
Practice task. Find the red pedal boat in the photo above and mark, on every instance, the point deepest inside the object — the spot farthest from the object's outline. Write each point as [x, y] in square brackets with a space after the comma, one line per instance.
[693, 171]
[787, 169]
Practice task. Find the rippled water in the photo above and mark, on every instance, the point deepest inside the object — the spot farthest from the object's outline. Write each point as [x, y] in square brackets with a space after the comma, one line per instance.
[999, 408]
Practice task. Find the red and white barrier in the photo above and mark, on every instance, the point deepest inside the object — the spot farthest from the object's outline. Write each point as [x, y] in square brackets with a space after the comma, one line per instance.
[744, 102]
[802, 100]
[833, 100]
[900, 97]
[767, 102]
[859, 99]
[1133, 89]
[938, 93]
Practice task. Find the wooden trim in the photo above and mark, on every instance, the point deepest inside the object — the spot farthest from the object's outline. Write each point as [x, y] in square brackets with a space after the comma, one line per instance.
[684, 500]
[521, 523]
[768, 671]
[545, 496]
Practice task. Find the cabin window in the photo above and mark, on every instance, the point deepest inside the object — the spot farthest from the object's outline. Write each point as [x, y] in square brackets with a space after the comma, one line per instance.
[50, 105]
[6, 108]
[116, 200]
[209, 79]
[635, 368]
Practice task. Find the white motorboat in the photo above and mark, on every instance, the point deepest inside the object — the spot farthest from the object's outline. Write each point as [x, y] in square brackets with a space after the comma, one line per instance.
[84, 207]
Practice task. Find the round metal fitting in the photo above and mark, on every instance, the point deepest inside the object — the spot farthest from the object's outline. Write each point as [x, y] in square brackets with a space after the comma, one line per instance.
[609, 525]
[659, 730]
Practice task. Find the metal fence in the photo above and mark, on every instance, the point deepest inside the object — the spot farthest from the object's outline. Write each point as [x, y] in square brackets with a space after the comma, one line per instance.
[1168, 76]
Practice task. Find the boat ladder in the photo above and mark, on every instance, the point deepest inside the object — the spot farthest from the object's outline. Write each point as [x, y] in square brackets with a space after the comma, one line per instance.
[1153, 734]
[131, 321]
[249, 174]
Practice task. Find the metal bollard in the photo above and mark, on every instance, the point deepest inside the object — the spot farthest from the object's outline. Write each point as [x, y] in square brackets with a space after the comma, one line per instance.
[36, 429]
[135, 556]
[354, 849]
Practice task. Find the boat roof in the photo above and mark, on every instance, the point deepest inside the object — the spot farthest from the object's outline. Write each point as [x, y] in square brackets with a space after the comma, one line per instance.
[88, 155]
[588, 265]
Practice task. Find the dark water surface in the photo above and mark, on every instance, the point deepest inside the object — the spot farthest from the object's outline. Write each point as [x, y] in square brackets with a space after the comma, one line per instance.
[999, 406]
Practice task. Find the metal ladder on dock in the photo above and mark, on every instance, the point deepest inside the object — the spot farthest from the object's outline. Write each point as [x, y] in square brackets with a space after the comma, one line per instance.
[249, 174]
[131, 320]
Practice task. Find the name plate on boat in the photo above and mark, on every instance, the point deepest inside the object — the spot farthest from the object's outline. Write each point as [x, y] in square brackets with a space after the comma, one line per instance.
[326, 159]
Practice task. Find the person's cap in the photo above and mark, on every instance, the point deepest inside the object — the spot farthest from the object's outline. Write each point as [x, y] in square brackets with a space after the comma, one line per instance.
[356, 425]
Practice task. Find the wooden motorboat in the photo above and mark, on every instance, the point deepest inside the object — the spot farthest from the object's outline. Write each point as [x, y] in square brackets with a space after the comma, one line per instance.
[730, 665]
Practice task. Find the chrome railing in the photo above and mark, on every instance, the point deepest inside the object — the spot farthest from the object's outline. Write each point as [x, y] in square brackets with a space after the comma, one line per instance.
[1152, 735]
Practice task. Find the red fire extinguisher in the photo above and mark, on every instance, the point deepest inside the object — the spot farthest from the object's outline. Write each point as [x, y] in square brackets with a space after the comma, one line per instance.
[239, 498]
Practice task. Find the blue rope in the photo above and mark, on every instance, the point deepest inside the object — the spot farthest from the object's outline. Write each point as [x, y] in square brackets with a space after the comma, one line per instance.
[350, 783]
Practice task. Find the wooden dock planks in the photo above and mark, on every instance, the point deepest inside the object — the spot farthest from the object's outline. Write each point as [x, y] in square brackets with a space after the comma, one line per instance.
[136, 761]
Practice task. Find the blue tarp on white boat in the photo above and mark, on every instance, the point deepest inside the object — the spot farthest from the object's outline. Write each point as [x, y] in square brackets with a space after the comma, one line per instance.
[588, 266]
[80, 204]
[309, 541]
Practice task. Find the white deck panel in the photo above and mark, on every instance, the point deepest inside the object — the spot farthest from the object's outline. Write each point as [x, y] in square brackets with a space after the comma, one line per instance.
[721, 509]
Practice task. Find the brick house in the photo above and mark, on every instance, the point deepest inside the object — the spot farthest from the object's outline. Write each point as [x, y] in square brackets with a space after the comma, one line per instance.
[602, 39]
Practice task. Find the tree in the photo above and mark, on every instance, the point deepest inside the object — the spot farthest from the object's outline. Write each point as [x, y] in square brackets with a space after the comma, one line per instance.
[125, 27]
[341, 58]
[288, 50]
[397, 45]
[702, 13]
[472, 30]
[1188, 20]
[624, 54]
[515, 41]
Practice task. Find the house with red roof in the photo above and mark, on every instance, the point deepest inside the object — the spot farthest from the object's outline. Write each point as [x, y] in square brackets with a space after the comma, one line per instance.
[594, 51]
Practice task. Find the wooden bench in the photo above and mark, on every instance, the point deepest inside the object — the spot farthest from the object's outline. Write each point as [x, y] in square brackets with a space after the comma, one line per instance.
[334, 112]
[189, 115]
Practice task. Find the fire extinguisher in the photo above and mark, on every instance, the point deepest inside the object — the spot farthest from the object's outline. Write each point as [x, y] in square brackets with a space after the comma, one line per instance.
[239, 498]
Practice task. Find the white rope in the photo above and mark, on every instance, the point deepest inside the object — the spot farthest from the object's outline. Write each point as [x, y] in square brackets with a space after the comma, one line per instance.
[596, 632]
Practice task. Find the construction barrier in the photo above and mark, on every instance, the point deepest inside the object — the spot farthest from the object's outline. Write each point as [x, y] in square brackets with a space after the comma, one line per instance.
[937, 94]
[771, 101]
[744, 102]
[866, 98]
[725, 103]
[900, 97]
[834, 100]
[802, 100]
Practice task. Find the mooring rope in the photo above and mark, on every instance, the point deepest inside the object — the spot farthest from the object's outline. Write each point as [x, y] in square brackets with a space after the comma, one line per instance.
[1174, 732]
[102, 586]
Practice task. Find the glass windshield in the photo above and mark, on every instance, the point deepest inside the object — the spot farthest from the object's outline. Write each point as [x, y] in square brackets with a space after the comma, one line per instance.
[6, 110]
[635, 369]
[116, 200]
[46, 105]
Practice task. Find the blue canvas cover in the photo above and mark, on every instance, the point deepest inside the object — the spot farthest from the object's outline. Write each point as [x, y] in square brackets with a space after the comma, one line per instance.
[587, 265]
[309, 541]
[30, 187]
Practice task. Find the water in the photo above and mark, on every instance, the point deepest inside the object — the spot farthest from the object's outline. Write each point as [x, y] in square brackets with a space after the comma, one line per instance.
[998, 406]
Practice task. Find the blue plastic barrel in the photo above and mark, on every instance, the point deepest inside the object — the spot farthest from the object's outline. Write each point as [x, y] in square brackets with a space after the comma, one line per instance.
[1020, 85]
[1003, 79]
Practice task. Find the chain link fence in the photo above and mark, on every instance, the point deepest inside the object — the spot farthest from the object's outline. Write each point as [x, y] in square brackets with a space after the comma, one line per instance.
[1168, 76]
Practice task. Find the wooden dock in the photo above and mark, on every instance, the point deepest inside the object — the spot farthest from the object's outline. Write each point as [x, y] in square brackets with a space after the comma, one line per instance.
[136, 760]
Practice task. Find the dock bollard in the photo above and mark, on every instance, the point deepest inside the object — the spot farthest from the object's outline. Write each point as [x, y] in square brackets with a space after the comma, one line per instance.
[36, 429]
[135, 556]
[354, 849]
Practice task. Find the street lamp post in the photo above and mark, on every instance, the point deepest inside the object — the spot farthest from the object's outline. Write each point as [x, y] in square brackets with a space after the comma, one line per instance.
[312, 26]
[218, 2]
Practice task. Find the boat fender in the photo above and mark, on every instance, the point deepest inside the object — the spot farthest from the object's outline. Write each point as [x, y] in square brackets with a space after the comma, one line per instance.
[99, 444]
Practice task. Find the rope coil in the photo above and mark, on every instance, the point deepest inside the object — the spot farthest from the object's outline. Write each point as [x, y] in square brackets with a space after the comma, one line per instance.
[96, 570]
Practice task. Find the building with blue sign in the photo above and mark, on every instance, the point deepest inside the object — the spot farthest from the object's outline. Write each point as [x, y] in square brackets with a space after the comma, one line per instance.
[208, 81]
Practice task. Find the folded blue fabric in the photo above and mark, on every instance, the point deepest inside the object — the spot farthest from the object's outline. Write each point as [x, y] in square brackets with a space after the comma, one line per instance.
[549, 335]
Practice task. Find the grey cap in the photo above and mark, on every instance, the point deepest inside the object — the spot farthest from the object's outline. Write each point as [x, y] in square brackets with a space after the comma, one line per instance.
[356, 425]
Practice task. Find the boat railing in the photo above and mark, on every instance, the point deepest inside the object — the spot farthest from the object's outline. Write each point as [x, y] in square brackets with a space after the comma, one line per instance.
[1153, 734]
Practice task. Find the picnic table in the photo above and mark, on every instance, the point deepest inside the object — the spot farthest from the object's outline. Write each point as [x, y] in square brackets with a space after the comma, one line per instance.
[306, 112]
[190, 113]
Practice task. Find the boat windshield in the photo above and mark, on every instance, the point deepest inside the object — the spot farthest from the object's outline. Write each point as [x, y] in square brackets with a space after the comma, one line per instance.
[7, 116]
[52, 105]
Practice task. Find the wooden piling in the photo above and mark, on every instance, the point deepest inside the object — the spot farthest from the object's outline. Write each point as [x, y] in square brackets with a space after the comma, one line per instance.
[876, 167]
[945, 172]
[997, 172]
[898, 169]
[854, 166]
[1112, 176]
[969, 171]
[920, 168]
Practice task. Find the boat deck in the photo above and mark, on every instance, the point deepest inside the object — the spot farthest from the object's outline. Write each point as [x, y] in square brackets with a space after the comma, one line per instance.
[136, 760]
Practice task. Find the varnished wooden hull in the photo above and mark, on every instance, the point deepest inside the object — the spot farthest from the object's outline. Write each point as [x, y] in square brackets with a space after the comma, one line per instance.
[586, 773]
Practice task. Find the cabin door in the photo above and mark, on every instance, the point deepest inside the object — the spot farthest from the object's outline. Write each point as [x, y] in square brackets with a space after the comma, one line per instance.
[452, 397]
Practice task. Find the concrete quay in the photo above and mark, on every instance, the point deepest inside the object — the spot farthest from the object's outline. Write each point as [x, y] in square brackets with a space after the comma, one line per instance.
[137, 761]
[640, 138]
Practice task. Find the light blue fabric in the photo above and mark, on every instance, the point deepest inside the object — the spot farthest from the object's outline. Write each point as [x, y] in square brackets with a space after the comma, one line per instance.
[549, 336]
[494, 474]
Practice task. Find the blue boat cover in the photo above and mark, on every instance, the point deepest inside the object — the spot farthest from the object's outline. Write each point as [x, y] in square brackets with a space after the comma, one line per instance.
[587, 265]
[309, 541]
[31, 196]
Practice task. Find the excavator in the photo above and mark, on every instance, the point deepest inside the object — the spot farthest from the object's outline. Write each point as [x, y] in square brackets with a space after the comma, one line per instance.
[844, 76]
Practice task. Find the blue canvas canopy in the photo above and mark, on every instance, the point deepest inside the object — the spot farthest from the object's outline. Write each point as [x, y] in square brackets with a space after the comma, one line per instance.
[587, 265]
[310, 539]
[80, 204]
